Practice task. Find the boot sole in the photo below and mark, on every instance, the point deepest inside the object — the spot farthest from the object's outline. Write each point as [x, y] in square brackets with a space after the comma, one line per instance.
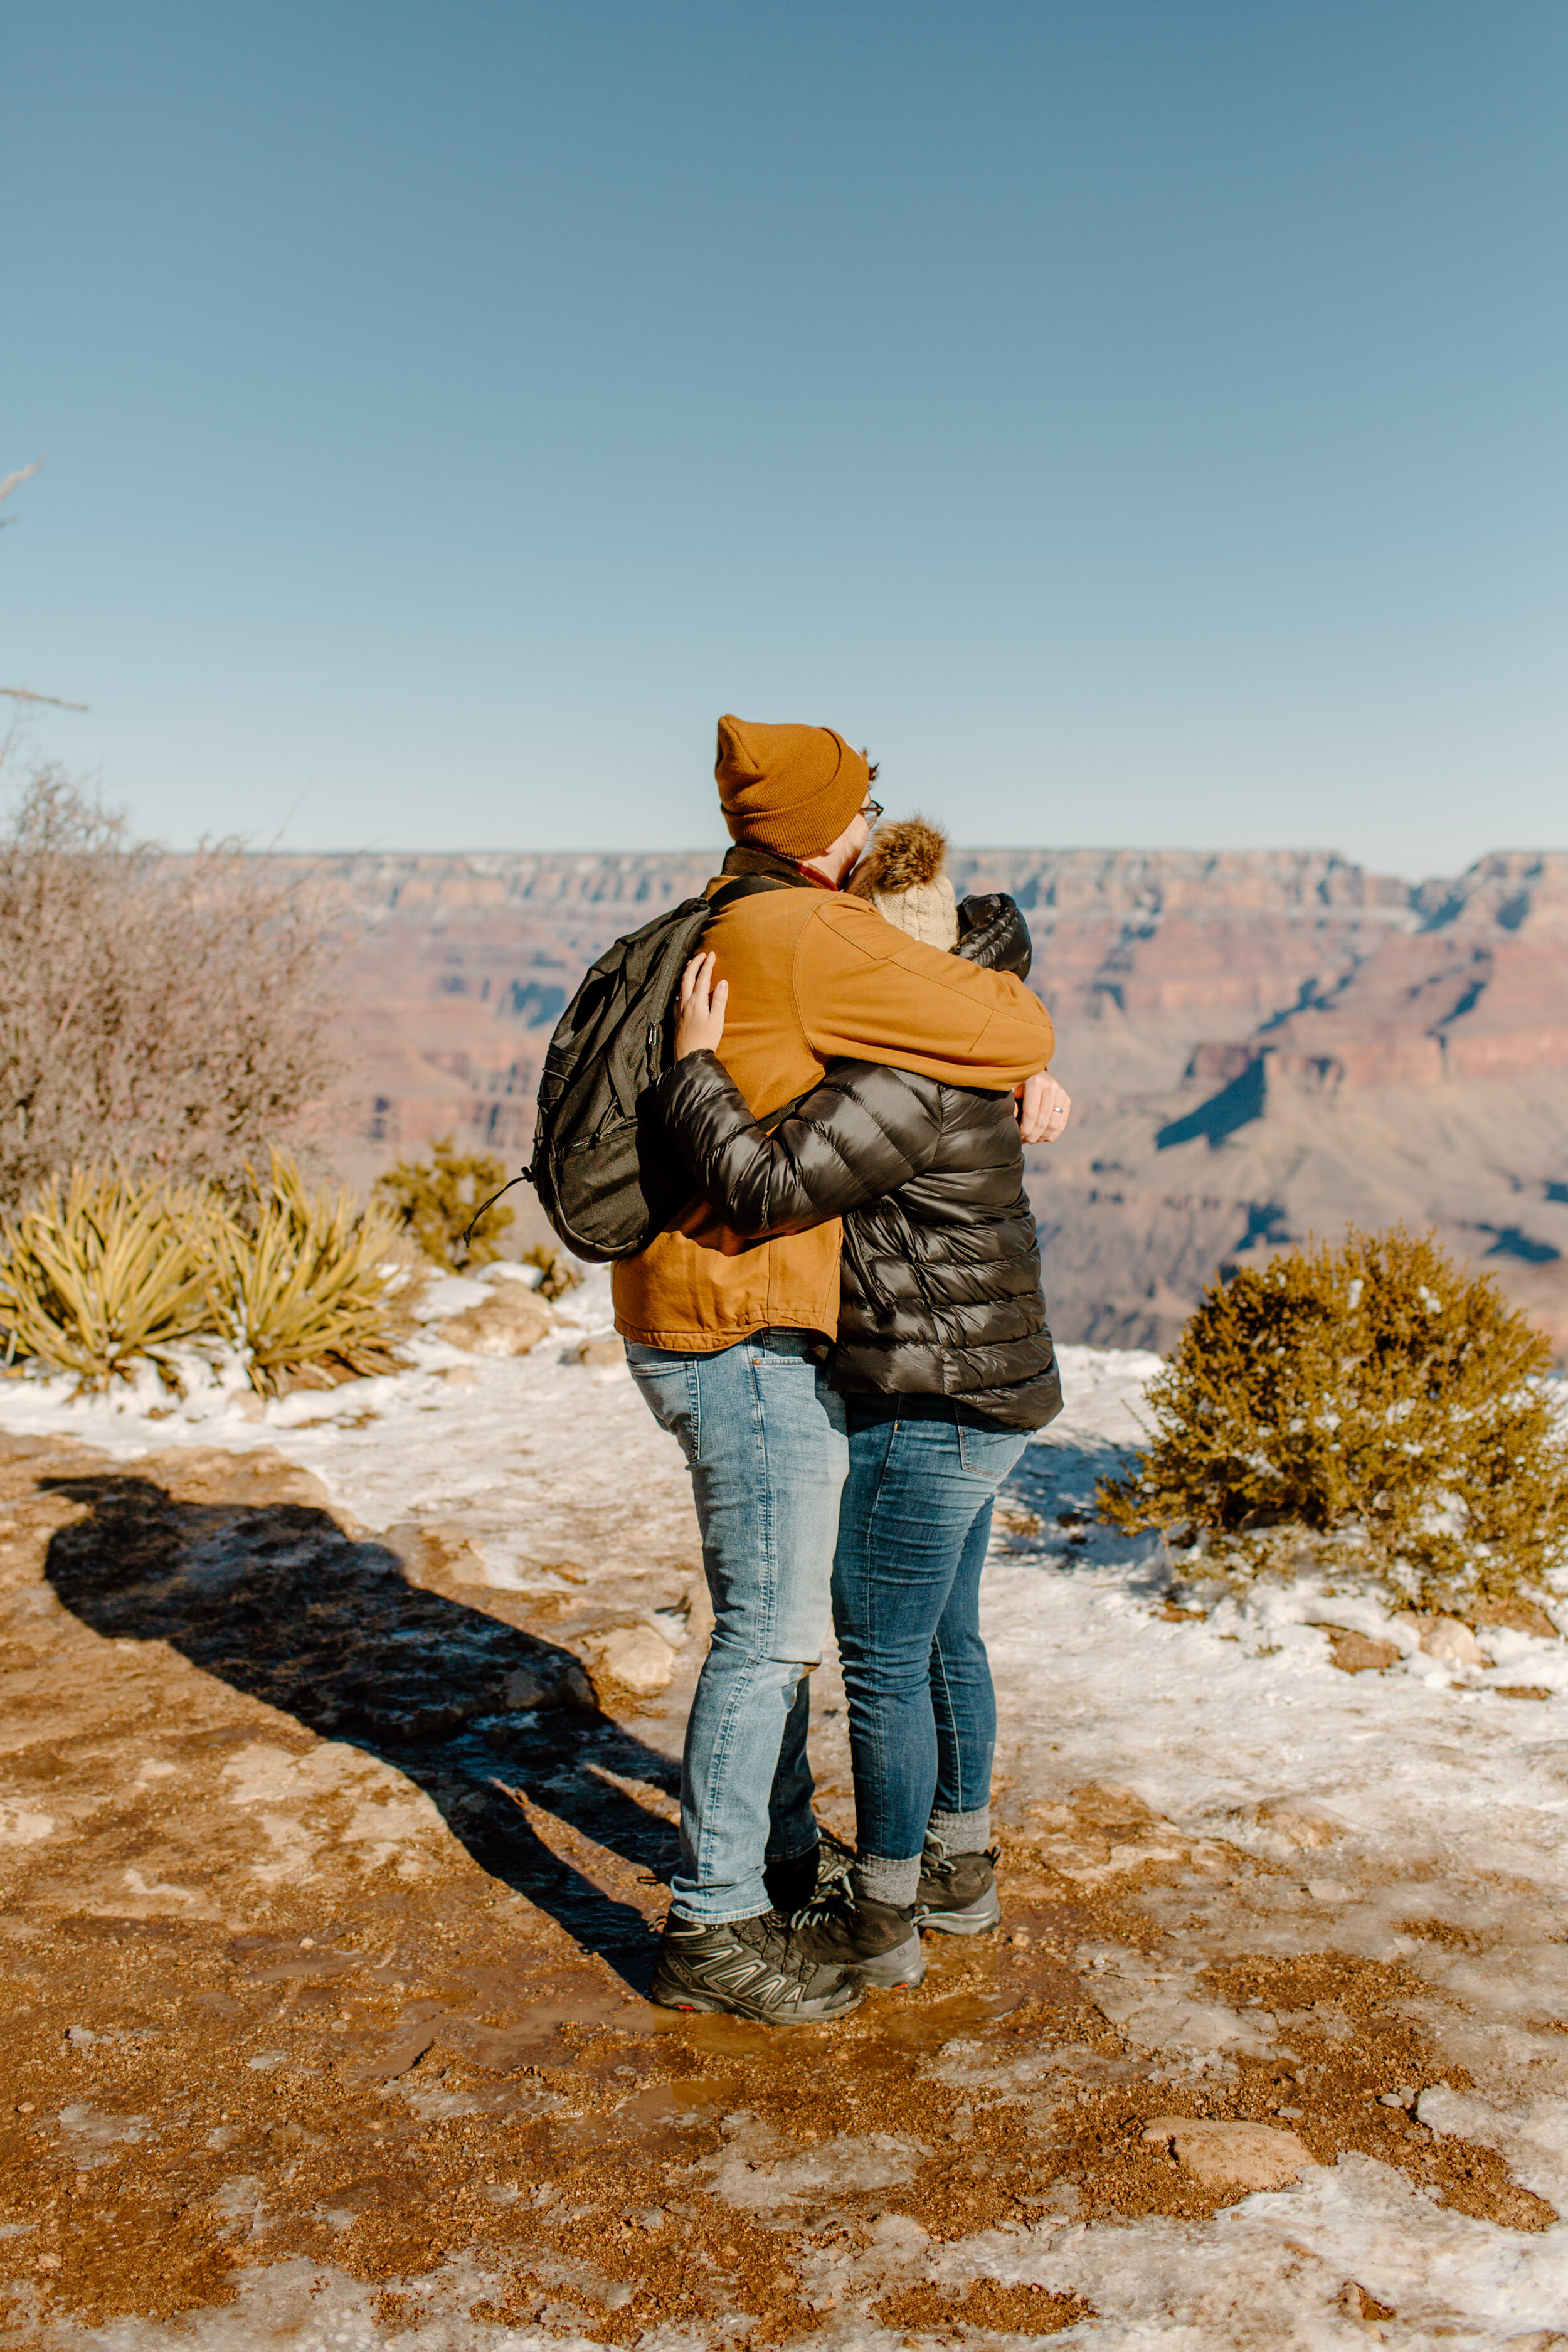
[668, 1993]
[904, 1965]
[975, 1920]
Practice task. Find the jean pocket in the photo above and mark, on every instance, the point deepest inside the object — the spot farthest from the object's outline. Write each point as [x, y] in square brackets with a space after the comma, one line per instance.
[782, 1348]
[991, 1453]
[668, 1386]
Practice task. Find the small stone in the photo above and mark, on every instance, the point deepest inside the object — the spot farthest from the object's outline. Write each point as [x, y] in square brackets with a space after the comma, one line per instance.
[1243, 2156]
[1452, 1643]
[46, 2262]
[578, 1687]
[1520, 1690]
[1359, 1653]
[1305, 1825]
[1355, 2303]
[636, 1656]
[1514, 1617]
[601, 1355]
[509, 1323]
[26, 2107]
[521, 1689]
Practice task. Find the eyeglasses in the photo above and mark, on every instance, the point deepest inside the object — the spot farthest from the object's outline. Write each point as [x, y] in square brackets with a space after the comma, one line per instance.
[872, 812]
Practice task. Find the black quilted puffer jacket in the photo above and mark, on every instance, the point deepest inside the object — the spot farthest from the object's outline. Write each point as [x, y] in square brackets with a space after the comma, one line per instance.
[940, 1289]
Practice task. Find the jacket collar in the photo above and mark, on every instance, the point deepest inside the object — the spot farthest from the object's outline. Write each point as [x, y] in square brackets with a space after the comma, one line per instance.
[744, 860]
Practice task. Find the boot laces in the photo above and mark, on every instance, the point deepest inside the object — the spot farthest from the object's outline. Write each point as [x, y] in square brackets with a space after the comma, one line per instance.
[832, 1884]
[771, 1936]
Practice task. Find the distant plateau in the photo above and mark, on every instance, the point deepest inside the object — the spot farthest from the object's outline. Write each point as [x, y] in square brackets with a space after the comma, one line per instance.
[1260, 1045]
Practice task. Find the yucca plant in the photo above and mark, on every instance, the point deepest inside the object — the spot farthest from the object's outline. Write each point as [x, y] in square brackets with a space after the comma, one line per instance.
[304, 1283]
[112, 1272]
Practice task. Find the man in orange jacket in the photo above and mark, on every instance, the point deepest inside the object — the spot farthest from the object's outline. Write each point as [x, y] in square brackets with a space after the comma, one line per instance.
[727, 1341]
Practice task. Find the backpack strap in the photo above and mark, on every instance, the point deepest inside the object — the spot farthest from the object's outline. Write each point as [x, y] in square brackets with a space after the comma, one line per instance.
[745, 886]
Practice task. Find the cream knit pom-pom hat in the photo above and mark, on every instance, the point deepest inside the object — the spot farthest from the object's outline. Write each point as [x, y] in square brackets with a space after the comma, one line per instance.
[901, 876]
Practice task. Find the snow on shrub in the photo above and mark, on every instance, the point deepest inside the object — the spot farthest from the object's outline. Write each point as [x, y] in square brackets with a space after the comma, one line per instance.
[1375, 1392]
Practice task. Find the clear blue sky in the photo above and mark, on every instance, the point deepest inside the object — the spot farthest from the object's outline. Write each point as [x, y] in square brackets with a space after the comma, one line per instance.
[1139, 421]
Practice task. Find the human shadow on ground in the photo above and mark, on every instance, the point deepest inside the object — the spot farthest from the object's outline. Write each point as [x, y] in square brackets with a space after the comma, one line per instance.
[277, 1601]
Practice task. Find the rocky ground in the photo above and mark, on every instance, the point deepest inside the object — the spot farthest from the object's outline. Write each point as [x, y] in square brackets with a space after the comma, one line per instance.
[330, 1820]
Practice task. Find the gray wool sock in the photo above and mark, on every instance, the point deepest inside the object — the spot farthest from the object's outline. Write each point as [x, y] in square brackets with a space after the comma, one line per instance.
[876, 1880]
[963, 1833]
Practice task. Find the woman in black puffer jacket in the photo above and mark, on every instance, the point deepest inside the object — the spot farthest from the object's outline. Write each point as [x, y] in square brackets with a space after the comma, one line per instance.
[946, 1366]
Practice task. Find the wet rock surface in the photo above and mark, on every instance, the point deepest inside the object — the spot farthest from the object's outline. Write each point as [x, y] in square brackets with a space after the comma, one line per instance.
[330, 1891]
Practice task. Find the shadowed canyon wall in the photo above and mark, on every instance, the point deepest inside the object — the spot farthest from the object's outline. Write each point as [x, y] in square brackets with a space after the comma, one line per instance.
[1258, 1045]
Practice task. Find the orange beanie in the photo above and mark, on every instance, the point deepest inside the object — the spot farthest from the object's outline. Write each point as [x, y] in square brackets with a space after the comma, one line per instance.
[793, 789]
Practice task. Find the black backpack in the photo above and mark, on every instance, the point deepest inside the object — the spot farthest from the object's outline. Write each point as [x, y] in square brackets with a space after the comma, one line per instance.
[606, 1174]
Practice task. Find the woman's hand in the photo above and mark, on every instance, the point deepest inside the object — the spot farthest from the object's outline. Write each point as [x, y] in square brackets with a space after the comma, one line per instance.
[699, 1017]
[1044, 1108]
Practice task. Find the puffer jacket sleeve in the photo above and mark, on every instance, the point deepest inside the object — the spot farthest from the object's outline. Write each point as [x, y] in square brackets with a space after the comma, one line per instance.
[992, 933]
[865, 1130]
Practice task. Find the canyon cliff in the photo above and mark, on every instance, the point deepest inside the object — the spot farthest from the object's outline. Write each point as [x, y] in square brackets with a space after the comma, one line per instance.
[1259, 1044]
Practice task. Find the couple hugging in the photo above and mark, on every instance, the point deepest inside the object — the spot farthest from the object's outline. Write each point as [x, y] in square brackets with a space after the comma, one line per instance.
[847, 1335]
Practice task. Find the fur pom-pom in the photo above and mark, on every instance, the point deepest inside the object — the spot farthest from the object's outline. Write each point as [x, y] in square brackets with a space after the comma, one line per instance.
[902, 857]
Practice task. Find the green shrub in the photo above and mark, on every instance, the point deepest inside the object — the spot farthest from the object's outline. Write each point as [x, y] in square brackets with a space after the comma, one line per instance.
[1374, 1392]
[306, 1283]
[557, 1274]
[112, 1273]
[435, 1200]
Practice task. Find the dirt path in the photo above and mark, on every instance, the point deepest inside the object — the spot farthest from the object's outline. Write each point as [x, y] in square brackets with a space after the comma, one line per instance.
[329, 1890]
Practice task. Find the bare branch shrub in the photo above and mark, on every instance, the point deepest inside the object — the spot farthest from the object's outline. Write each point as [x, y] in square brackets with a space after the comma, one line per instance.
[167, 1012]
[1375, 1392]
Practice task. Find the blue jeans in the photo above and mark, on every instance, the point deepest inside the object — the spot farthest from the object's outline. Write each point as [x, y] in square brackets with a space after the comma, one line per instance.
[912, 1538]
[764, 1437]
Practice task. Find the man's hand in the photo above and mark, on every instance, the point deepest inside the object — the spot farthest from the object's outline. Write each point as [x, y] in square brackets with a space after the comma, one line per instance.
[1044, 1108]
[700, 1021]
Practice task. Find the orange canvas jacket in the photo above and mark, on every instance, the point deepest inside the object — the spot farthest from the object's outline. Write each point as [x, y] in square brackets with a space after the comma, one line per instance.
[817, 977]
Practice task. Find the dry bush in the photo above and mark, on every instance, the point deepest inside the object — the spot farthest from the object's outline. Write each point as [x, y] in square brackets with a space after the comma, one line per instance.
[168, 1013]
[557, 1274]
[1374, 1391]
[110, 1273]
[434, 1200]
[306, 1286]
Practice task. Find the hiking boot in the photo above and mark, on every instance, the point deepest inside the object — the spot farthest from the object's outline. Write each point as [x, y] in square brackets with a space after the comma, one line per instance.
[877, 1942]
[759, 1967]
[957, 1893]
[794, 1884]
